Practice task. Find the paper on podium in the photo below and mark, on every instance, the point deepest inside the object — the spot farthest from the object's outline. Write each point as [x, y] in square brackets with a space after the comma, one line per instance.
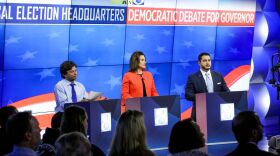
[92, 95]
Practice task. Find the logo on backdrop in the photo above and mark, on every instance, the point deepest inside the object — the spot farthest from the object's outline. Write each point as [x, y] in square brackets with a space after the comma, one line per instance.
[138, 2]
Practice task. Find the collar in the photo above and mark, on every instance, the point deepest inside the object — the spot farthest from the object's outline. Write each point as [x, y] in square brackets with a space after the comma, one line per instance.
[203, 72]
[68, 82]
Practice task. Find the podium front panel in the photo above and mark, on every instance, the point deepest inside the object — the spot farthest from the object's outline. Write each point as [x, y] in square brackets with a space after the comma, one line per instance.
[209, 114]
[157, 136]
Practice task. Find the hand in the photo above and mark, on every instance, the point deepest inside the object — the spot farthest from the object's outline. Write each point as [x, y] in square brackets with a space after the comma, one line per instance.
[101, 97]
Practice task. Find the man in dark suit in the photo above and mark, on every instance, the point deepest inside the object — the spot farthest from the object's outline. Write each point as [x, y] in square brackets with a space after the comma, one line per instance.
[248, 131]
[204, 81]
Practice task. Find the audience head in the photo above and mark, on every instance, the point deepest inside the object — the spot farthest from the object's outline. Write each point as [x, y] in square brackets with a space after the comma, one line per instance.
[5, 113]
[68, 70]
[185, 135]
[74, 119]
[73, 144]
[204, 61]
[23, 130]
[274, 145]
[56, 120]
[137, 60]
[130, 134]
[247, 127]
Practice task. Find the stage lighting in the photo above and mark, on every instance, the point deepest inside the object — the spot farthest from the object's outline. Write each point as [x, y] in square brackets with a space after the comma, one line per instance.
[275, 70]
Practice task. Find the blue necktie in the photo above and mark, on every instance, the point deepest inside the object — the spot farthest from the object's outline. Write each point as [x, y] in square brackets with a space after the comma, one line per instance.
[74, 96]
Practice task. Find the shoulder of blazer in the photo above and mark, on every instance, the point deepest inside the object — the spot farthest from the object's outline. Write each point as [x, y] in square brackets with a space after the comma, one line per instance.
[147, 73]
[198, 74]
[129, 73]
[216, 73]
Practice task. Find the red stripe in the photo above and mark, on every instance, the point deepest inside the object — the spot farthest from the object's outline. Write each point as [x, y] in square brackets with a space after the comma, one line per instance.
[186, 114]
[236, 74]
[35, 99]
[44, 120]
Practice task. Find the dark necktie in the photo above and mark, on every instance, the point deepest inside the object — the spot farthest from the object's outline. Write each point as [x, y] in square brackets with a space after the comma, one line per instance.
[144, 87]
[74, 96]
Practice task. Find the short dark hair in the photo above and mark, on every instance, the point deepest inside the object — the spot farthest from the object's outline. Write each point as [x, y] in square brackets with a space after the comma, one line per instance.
[17, 125]
[5, 113]
[243, 124]
[65, 66]
[134, 61]
[74, 143]
[203, 54]
[56, 120]
[73, 119]
[185, 135]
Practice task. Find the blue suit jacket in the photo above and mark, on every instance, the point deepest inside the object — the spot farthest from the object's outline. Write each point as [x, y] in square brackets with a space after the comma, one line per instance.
[196, 84]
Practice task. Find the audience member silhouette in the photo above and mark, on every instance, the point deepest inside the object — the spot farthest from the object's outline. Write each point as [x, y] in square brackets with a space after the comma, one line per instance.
[248, 131]
[74, 119]
[24, 131]
[51, 134]
[73, 144]
[6, 145]
[186, 139]
[130, 136]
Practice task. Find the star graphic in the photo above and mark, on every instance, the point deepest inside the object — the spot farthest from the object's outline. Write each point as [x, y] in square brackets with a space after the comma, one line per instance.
[54, 34]
[2, 79]
[166, 32]
[179, 89]
[249, 31]
[184, 63]
[114, 81]
[234, 50]
[190, 29]
[127, 56]
[188, 44]
[139, 37]
[73, 47]
[154, 71]
[232, 35]
[46, 73]
[211, 39]
[90, 30]
[11, 40]
[160, 49]
[91, 62]
[108, 42]
[10, 101]
[27, 55]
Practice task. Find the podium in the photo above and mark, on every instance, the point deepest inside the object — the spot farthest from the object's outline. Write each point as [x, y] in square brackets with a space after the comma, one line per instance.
[160, 114]
[215, 111]
[102, 120]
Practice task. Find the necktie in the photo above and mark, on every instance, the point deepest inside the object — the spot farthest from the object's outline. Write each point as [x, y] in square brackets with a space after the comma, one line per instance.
[209, 83]
[74, 96]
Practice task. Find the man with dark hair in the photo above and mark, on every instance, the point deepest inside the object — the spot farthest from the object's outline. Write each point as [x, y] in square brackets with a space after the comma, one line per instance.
[204, 81]
[6, 145]
[68, 90]
[24, 131]
[248, 131]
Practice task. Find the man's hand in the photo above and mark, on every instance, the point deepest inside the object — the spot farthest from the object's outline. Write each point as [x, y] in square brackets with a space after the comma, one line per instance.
[101, 97]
